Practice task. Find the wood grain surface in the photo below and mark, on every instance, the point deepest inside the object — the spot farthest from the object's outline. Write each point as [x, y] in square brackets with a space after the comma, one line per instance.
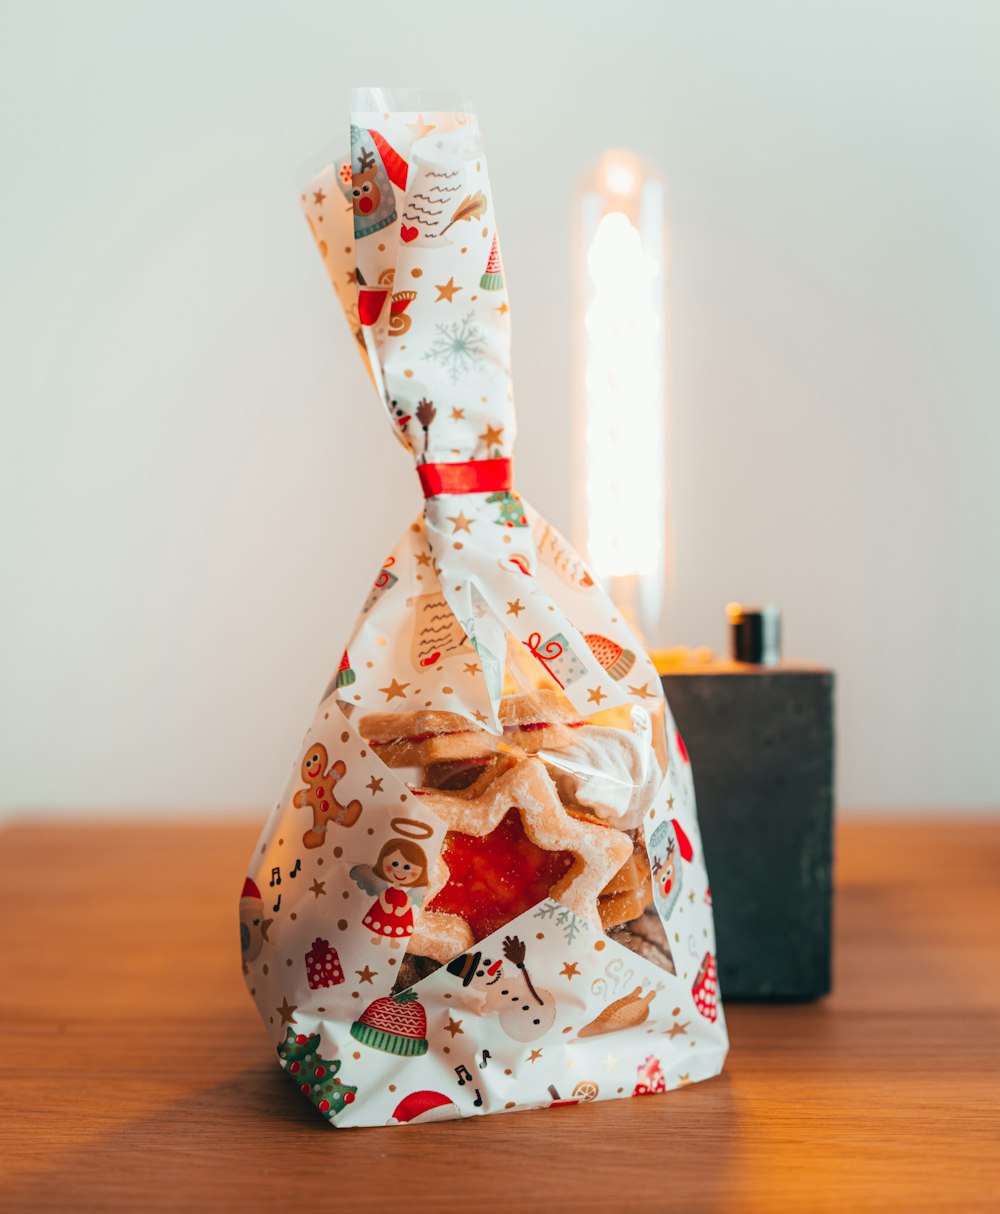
[136, 1076]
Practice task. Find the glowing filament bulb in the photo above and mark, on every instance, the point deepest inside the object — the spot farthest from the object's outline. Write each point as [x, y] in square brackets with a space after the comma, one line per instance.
[622, 393]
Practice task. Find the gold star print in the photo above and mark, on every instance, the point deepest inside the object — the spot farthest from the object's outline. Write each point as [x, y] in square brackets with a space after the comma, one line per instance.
[670, 802]
[503, 309]
[458, 415]
[366, 975]
[374, 784]
[394, 691]
[611, 1062]
[447, 290]
[319, 197]
[264, 925]
[595, 695]
[682, 1080]
[460, 523]
[534, 1055]
[471, 667]
[570, 969]
[643, 692]
[424, 558]
[515, 608]
[492, 436]
[317, 888]
[481, 717]
[691, 897]
[286, 1011]
[420, 128]
[677, 1029]
[453, 1027]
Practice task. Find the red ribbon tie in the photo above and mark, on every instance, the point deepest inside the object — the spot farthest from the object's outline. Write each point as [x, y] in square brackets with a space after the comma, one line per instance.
[472, 476]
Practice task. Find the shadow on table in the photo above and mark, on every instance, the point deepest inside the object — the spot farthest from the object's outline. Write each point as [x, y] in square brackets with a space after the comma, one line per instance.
[186, 1155]
[252, 1142]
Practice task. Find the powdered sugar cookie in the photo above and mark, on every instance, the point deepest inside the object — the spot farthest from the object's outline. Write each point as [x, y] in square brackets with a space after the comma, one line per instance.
[551, 853]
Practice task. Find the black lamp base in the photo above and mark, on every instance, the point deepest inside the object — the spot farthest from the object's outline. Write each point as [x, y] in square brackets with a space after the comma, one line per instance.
[761, 744]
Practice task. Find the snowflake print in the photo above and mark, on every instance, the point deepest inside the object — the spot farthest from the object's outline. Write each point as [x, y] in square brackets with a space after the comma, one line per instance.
[458, 346]
[572, 925]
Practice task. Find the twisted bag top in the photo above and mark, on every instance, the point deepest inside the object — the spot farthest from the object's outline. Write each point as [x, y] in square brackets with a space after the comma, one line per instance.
[408, 233]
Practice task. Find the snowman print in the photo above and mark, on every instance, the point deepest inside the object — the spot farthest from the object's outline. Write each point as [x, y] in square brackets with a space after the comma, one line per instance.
[525, 1012]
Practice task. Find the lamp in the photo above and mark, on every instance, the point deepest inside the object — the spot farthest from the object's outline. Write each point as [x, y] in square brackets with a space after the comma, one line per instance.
[621, 395]
[759, 730]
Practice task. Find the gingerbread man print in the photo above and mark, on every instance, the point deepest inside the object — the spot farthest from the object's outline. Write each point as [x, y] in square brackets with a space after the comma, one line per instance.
[318, 795]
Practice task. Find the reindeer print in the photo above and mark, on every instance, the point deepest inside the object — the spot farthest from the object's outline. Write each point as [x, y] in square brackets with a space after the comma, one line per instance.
[365, 194]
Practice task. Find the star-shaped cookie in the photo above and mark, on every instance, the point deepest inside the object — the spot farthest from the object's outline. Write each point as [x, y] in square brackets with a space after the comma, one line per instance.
[524, 800]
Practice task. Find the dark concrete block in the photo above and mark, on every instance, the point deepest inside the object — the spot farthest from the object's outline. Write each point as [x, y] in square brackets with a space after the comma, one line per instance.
[761, 744]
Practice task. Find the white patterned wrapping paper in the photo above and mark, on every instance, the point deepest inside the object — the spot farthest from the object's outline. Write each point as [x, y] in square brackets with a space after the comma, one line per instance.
[548, 1008]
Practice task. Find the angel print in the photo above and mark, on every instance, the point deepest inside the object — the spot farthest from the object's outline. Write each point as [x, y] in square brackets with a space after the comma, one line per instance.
[396, 876]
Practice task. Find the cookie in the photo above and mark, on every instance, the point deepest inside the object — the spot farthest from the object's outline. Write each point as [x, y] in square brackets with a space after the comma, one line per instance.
[634, 873]
[453, 775]
[418, 739]
[518, 833]
[471, 782]
[466, 777]
[647, 937]
[538, 720]
[620, 908]
[629, 891]
[413, 969]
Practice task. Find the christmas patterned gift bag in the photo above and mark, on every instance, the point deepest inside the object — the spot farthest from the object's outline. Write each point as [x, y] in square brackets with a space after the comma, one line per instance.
[483, 888]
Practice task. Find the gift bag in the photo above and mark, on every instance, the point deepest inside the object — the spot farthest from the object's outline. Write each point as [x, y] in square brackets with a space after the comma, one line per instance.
[483, 888]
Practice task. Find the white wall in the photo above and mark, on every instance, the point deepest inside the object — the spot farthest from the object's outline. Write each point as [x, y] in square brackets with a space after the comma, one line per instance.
[198, 485]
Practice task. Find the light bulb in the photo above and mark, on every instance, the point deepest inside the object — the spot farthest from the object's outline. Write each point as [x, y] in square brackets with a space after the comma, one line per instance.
[621, 383]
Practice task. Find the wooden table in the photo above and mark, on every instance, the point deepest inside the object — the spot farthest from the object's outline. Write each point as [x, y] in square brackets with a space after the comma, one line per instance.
[136, 1076]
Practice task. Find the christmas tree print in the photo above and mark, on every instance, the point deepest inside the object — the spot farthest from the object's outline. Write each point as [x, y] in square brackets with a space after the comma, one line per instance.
[492, 279]
[511, 509]
[316, 1077]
